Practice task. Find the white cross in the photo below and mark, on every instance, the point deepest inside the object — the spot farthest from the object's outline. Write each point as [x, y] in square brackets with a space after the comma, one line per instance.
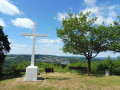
[34, 38]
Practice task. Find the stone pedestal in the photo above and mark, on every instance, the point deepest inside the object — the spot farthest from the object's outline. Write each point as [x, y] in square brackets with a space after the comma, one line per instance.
[31, 73]
[107, 73]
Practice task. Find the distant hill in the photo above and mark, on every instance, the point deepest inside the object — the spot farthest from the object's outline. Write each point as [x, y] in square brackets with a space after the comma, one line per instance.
[51, 58]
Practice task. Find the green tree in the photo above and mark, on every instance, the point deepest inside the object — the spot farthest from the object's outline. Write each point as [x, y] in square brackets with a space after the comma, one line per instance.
[4, 47]
[115, 36]
[108, 63]
[82, 36]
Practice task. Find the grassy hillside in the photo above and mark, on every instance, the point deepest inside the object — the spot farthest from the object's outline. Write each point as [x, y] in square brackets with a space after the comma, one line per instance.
[63, 81]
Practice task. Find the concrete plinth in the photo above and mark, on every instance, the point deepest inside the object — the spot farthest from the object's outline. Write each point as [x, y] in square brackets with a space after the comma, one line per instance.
[31, 73]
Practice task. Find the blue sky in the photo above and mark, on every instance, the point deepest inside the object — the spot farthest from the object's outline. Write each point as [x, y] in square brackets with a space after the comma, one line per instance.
[18, 16]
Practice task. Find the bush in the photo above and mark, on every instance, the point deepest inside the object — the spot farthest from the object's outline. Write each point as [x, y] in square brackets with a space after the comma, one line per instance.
[112, 65]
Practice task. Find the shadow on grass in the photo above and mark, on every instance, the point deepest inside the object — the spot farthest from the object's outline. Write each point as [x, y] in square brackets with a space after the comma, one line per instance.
[41, 78]
[10, 76]
[96, 75]
[59, 78]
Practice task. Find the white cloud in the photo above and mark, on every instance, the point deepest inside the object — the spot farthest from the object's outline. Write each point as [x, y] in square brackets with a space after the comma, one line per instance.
[2, 23]
[112, 14]
[48, 50]
[23, 22]
[49, 41]
[10, 40]
[94, 10]
[100, 20]
[18, 45]
[40, 49]
[104, 12]
[111, 7]
[46, 45]
[90, 2]
[20, 49]
[51, 50]
[50, 46]
[30, 37]
[61, 16]
[7, 7]
[109, 20]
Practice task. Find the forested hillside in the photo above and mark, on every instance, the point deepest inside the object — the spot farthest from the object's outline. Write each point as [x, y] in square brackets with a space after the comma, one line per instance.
[15, 64]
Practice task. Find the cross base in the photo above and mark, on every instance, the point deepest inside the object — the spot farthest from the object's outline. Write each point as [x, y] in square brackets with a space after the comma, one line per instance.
[31, 73]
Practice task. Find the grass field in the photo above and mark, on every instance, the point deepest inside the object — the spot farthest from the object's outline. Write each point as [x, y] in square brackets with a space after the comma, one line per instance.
[63, 81]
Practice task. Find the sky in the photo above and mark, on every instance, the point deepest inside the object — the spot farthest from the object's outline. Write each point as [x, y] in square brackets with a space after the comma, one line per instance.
[18, 16]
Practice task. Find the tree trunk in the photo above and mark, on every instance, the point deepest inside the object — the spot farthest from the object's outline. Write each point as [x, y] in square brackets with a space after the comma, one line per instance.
[0, 71]
[2, 59]
[89, 65]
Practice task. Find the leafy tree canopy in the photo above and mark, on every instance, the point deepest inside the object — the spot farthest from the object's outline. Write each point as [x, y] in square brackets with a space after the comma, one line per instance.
[81, 35]
[115, 36]
[4, 46]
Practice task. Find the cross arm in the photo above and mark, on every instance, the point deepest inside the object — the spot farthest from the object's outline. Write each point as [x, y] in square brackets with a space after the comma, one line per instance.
[30, 34]
[41, 35]
[26, 34]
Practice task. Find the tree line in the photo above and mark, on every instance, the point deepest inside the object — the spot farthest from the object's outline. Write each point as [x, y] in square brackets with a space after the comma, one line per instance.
[97, 67]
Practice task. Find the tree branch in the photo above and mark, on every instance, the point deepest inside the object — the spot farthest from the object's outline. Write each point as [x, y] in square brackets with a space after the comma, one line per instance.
[95, 55]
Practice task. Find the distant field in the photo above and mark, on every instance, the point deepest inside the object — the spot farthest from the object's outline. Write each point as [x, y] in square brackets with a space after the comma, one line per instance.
[10, 58]
[63, 81]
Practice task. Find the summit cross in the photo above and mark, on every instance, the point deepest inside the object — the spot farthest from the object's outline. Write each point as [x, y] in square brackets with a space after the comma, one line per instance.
[32, 70]
[34, 39]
